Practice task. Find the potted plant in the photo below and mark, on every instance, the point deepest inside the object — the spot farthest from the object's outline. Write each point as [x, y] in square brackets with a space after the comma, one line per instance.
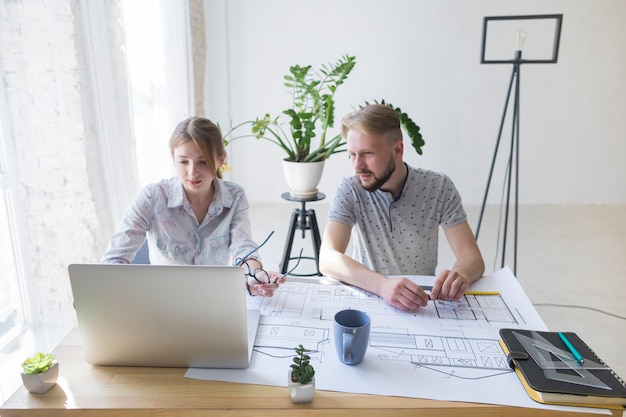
[301, 377]
[303, 137]
[40, 372]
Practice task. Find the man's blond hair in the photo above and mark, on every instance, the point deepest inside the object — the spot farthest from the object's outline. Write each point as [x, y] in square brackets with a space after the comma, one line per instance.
[374, 120]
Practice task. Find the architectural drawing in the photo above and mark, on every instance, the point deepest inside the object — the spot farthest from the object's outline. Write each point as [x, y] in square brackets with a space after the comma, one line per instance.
[278, 340]
[421, 349]
[301, 312]
[321, 301]
[446, 351]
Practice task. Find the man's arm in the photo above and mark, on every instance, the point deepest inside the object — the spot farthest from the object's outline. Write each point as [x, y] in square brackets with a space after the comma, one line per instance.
[399, 292]
[335, 263]
[469, 265]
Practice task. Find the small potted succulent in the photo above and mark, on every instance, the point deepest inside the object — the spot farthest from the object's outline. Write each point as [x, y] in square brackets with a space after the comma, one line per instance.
[301, 377]
[40, 372]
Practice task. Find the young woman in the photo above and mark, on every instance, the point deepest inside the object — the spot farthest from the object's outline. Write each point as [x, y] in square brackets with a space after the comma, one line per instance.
[195, 218]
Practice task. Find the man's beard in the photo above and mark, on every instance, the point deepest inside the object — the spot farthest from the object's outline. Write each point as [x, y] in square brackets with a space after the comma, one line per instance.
[378, 181]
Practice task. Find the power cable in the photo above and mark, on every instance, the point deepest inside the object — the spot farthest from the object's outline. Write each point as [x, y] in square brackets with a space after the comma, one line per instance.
[597, 310]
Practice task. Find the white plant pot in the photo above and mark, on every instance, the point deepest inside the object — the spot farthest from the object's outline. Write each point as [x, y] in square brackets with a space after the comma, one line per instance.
[41, 383]
[303, 177]
[300, 393]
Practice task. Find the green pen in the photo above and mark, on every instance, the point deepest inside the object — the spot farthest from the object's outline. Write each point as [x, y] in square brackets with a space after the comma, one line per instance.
[571, 348]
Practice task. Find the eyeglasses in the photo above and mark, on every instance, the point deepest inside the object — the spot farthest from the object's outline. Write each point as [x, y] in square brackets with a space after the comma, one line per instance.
[240, 261]
[260, 275]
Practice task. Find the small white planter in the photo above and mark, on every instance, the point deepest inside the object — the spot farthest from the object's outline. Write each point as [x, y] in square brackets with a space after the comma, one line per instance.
[41, 383]
[302, 177]
[300, 393]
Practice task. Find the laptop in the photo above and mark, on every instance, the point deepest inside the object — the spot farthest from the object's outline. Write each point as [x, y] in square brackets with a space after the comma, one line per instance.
[163, 315]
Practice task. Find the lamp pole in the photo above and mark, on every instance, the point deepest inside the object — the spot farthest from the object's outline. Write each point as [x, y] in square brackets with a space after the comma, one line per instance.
[520, 36]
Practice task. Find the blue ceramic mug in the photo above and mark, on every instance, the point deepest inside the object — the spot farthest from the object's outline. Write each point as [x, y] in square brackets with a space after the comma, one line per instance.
[352, 334]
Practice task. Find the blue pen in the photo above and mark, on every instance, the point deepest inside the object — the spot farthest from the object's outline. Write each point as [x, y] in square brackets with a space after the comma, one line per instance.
[571, 348]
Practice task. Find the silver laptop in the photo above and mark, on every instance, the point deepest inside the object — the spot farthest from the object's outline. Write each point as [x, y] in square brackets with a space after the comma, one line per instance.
[163, 315]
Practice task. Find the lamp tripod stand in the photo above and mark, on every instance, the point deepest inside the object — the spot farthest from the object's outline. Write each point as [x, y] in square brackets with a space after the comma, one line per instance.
[513, 162]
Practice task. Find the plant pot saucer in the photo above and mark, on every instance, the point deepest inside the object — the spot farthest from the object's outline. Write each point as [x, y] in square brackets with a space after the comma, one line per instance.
[308, 194]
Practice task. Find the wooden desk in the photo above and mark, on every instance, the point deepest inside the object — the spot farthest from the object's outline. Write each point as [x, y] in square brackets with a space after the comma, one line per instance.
[85, 390]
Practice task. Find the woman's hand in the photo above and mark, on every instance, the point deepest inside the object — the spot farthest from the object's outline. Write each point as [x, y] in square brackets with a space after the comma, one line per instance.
[266, 289]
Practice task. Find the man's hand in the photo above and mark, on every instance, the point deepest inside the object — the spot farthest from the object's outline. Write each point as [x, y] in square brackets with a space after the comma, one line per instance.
[449, 285]
[403, 294]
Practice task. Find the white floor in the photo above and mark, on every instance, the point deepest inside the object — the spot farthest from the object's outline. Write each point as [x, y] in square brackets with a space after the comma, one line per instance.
[571, 261]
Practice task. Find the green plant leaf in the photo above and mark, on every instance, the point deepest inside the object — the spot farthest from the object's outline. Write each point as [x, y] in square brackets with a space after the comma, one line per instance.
[312, 114]
[302, 371]
[38, 363]
[410, 127]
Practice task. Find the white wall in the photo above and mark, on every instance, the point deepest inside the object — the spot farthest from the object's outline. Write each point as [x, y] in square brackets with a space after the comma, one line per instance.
[424, 56]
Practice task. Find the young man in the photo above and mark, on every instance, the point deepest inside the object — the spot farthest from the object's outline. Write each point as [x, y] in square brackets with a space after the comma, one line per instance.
[396, 211]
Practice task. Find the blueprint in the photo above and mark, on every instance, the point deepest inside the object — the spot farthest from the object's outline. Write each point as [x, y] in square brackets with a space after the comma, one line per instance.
[303, 312]
[446, 350]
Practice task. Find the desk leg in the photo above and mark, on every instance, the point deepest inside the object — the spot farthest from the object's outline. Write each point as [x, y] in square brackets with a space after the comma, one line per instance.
[284, 264]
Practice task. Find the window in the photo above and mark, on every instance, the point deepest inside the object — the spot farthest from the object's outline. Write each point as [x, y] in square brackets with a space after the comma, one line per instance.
[158, 70]
[13, 304]
[73, 117]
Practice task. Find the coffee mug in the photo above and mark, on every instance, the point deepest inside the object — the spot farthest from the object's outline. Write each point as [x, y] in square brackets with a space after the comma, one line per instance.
[352, 335]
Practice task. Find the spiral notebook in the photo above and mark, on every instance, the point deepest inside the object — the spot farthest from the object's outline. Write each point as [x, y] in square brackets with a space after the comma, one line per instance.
[551, 373]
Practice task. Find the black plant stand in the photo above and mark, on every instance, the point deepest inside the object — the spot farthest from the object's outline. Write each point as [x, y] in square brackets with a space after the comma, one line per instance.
[302, 219]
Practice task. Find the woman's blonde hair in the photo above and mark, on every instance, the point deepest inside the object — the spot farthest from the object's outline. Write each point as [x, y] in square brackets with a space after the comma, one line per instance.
[207, 137]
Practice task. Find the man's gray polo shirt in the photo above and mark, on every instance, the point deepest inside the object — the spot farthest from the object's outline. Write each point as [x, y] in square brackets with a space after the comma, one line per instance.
[398, 237]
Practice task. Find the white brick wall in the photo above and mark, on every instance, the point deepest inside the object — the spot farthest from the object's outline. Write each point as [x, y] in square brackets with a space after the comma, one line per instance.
[40, 59]
[55, 145]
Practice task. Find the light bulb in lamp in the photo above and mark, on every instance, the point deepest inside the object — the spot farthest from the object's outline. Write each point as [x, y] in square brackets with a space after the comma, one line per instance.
[520, 37]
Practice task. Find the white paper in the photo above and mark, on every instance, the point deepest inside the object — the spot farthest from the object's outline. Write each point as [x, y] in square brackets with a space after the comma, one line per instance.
[442, 352]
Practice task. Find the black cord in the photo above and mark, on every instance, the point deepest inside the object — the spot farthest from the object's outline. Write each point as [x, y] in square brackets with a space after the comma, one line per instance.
[581, 307]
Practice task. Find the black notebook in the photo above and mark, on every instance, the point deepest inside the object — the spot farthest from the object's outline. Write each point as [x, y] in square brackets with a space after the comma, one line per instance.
[554, 373]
